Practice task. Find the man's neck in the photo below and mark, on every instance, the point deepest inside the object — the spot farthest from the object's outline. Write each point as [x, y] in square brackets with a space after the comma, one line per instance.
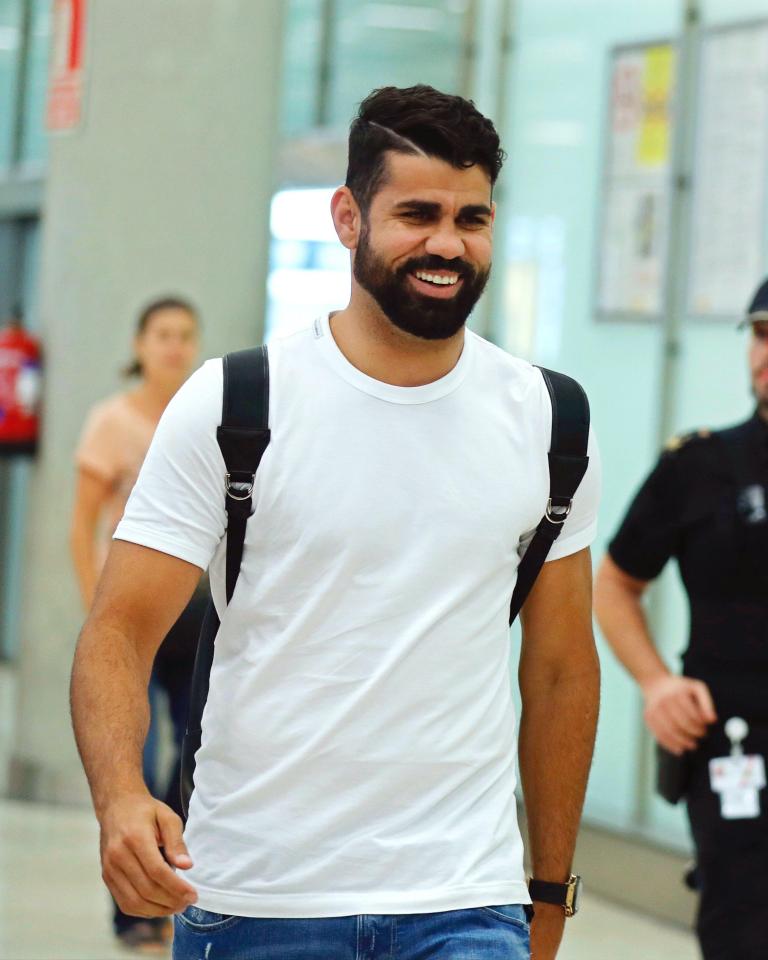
[380, 350]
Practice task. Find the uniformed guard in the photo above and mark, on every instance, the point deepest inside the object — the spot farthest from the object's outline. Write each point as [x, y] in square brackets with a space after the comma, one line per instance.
[705, 503]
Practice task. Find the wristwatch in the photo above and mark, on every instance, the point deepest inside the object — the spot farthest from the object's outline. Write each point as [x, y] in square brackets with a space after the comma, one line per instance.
[565, 895]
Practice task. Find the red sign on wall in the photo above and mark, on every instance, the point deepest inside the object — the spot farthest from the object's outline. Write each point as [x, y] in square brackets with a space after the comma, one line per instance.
[65, 94]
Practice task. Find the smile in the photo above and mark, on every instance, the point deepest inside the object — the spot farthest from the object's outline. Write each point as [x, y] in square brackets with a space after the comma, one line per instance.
[442, 280]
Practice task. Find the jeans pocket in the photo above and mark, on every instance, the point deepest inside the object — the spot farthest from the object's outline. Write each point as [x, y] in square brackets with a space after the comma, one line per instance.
[513, 913]
[205, 921]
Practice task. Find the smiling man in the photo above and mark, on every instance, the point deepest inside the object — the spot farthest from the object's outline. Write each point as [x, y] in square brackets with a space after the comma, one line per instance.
[355, 789]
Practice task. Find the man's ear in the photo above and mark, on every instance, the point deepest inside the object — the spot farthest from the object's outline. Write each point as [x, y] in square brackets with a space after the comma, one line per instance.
[347, 218]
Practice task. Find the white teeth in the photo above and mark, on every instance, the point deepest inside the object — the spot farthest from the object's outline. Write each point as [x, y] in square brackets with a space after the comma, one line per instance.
[434, 278]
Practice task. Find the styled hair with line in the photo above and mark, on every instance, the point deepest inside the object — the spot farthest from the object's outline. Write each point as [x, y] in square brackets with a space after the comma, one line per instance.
[417, 120]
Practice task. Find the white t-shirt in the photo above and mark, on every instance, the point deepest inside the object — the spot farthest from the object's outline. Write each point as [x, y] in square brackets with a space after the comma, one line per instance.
[358, 751]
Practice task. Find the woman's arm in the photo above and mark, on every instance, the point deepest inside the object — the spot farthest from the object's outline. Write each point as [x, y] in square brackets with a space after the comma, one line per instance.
[91, 495]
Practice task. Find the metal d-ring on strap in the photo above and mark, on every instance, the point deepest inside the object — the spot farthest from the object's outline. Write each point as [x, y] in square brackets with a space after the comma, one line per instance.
[246, 489]
[558, 518]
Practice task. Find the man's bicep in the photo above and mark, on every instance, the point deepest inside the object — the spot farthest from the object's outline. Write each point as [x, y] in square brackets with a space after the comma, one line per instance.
[557, 615]
[177, 504]
[142, 592]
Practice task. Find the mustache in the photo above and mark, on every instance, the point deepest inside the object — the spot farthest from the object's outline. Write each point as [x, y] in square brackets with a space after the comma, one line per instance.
[432, 262]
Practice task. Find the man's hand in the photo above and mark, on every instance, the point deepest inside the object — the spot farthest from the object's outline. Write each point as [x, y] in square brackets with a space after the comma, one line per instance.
[677, 711]
[546, 931]
[141, 595]
[140, 878]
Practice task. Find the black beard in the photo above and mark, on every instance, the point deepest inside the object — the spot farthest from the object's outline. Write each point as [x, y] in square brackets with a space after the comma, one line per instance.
[418, 314]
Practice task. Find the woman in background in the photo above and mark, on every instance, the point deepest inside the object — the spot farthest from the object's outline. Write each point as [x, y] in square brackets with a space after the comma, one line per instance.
[114, 442]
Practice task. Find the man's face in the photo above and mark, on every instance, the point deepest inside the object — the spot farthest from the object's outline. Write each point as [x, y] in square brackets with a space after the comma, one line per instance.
[424, 252]
[758, 362]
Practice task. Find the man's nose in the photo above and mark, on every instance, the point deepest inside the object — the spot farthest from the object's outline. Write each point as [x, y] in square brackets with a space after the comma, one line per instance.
[446, 243]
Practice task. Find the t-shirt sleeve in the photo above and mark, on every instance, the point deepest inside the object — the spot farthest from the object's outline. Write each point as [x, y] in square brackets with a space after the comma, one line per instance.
[647, 537]
[98, 451]
[580, 529]
[177, 504]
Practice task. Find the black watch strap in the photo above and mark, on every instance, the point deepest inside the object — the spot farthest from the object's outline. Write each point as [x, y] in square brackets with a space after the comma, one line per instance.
[563, 895]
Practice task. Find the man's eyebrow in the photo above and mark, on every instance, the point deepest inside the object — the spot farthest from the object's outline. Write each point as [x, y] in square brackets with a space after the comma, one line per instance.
[429, 206]
[423, 206]
[475, 210]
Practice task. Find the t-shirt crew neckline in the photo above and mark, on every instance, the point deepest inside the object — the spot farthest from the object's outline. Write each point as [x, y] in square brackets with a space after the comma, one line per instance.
[389, 391]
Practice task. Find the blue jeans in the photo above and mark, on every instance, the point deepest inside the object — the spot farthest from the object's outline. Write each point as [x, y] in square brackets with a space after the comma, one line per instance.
[480, 933]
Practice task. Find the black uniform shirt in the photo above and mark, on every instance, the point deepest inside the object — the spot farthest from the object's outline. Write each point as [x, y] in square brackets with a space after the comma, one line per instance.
[706, 504]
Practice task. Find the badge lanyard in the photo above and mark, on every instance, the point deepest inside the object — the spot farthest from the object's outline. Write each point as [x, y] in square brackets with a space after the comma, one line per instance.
[738, 778]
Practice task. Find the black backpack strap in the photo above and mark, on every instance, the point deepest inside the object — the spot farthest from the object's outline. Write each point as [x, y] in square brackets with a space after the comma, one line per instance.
[243, 437]
[568, 463]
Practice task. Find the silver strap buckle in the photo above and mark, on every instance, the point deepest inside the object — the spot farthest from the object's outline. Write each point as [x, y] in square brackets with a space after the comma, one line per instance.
[561, 516]
[244, 490]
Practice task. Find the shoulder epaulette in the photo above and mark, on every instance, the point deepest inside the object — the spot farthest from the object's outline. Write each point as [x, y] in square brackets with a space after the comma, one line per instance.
[681, 440]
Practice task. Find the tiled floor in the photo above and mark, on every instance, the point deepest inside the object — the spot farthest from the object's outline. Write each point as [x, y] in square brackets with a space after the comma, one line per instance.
[53, 906]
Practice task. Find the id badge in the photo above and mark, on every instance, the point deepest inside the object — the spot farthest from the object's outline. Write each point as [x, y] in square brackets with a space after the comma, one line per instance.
[738, 780]
[740, 804]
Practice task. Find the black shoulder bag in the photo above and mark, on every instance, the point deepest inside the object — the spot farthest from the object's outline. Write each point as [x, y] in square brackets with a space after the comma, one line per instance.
[244, 436]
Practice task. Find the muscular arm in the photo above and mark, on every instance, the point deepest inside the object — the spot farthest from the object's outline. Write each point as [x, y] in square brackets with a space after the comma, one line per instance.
[677, 709]
[560, 687]
[91, 495]
[140, 596]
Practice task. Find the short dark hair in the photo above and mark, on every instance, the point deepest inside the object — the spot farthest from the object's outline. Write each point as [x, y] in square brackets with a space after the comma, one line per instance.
[412, 120]
[157, 306]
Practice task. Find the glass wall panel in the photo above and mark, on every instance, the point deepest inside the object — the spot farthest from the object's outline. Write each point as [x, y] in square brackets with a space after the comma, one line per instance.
[303, 35]
[33, 135]
[547, 227]
[379, 43]
[337, 51]
[10, 42]
[309, 269]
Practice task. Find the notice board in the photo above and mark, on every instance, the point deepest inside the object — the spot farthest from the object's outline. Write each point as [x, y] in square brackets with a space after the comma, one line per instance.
[728, 224]
[636, 184]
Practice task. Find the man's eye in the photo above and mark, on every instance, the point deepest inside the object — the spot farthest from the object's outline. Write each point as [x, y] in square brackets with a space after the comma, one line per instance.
[474, 222]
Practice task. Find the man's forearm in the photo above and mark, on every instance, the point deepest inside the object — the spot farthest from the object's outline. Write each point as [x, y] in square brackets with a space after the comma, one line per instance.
[110, 711]
[557, 735]
[620, 613]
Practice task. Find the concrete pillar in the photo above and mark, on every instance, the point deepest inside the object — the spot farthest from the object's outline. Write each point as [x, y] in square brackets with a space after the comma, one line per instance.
[165, 188]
